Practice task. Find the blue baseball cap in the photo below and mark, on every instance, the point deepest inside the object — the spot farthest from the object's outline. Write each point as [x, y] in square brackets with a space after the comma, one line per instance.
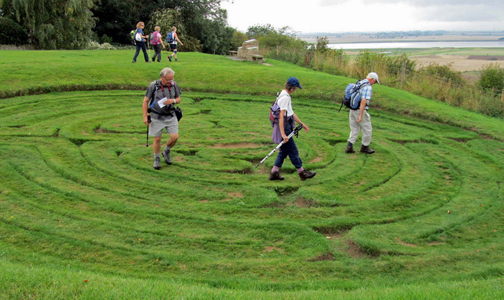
[293, 81]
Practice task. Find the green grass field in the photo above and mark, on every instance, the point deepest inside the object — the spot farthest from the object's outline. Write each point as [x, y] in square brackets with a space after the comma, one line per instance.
[83, 215]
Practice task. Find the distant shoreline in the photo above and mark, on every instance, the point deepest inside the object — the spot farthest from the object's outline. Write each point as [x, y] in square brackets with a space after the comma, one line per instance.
[366, 38]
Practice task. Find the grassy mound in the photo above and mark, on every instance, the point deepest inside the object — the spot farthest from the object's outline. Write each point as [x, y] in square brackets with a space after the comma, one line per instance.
[85, 216]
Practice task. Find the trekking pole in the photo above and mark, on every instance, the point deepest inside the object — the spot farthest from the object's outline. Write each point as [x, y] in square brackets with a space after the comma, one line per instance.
[295, 132]
[147, 143]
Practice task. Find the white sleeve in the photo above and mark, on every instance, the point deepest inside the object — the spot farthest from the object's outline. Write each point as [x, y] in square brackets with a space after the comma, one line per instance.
[283, 102]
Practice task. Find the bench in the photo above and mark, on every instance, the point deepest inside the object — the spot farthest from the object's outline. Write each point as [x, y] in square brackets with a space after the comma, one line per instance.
[233, 53]
[258, 58]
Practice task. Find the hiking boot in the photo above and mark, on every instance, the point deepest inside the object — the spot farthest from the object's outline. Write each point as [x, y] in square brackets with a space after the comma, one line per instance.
[367, 150]
[349, 149]
[275, 176]
[176, 59]
[153, 59]
[169, 58]
[133, 61]
[157, 163]
[306, 174]
[167, 158]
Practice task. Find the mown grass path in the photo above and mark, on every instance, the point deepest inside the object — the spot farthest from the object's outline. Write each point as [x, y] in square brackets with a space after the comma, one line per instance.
[79, 199]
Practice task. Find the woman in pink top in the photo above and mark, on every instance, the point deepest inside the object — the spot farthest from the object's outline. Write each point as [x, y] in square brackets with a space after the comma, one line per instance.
[157, 42]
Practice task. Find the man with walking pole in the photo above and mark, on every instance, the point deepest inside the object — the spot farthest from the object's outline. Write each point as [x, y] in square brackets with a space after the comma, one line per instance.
[159, 101]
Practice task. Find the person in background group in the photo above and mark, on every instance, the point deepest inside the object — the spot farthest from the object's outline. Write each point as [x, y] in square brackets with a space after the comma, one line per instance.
[173, 44]
[140, 42]
[165, 93]
[157, 42]
[286, 125]
[360, 119]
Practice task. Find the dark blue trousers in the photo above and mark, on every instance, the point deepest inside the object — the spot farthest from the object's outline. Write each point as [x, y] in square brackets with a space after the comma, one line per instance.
[141, 45]
[289, 149]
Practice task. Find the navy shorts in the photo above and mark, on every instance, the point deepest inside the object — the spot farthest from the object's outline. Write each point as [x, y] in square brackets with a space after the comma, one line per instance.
[173, 46]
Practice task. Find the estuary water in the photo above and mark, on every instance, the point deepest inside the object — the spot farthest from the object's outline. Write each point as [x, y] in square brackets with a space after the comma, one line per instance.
[418, 45]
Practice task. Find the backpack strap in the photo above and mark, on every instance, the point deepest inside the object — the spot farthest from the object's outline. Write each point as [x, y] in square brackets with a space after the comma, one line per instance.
[157, 84]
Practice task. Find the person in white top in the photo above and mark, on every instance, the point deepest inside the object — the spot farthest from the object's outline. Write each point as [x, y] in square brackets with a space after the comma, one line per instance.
[173, 44]
[286, 124]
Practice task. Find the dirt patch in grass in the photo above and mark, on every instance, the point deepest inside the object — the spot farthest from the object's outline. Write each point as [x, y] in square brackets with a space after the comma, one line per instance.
[235, 146]
[355, 251]
[323, 257]
[399, 241]
[236, 195]
[300, 202]
[487, 57]
[271, 249]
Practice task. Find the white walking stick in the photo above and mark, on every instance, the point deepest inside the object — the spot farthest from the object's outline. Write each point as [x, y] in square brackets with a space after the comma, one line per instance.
[295, 132]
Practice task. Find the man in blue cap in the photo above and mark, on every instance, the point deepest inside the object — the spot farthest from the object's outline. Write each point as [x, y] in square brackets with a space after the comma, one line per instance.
[286, 124]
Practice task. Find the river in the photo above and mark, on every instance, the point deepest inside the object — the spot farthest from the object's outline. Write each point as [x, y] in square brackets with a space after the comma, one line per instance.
[418, 45]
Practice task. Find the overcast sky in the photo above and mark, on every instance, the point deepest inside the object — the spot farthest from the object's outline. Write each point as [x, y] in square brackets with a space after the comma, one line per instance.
[307, 16]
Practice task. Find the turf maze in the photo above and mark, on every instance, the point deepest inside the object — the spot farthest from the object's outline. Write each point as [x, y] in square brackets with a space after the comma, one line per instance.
[78, 189]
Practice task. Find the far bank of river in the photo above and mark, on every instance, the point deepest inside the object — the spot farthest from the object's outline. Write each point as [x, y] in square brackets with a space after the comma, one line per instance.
[418, 45]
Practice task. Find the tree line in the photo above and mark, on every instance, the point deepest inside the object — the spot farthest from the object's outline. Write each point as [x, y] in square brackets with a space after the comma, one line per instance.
[202, 25]
[72, 24]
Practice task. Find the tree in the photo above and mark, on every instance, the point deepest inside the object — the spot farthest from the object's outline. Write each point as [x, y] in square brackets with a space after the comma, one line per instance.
[12, 33]
[166, 18]
[53, 24]
[201, 24]
[322, 43]
[258, 31]
[117, 25]
[238, 39]
[217, 38]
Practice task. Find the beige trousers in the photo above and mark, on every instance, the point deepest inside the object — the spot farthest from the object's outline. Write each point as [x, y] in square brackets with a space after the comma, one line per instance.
[364, 125]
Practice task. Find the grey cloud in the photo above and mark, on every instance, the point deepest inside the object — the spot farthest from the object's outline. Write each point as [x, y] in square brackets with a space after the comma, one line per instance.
[445, 10]
[476, 13]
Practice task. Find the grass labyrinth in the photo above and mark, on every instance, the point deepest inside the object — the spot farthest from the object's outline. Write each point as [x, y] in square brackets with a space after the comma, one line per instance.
[78, 192]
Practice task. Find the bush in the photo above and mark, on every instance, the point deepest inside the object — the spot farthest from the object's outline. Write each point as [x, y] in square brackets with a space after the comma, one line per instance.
[491, 105]
[12, 33]
[97, 46]
[491, 79]
[443, 73]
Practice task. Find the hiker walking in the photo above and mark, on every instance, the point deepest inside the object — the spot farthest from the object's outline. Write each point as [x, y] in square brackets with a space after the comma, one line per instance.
[140, 42]
[164, 94]
[286, 124]
[172, 39]
[157, 42]
[360, 120]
